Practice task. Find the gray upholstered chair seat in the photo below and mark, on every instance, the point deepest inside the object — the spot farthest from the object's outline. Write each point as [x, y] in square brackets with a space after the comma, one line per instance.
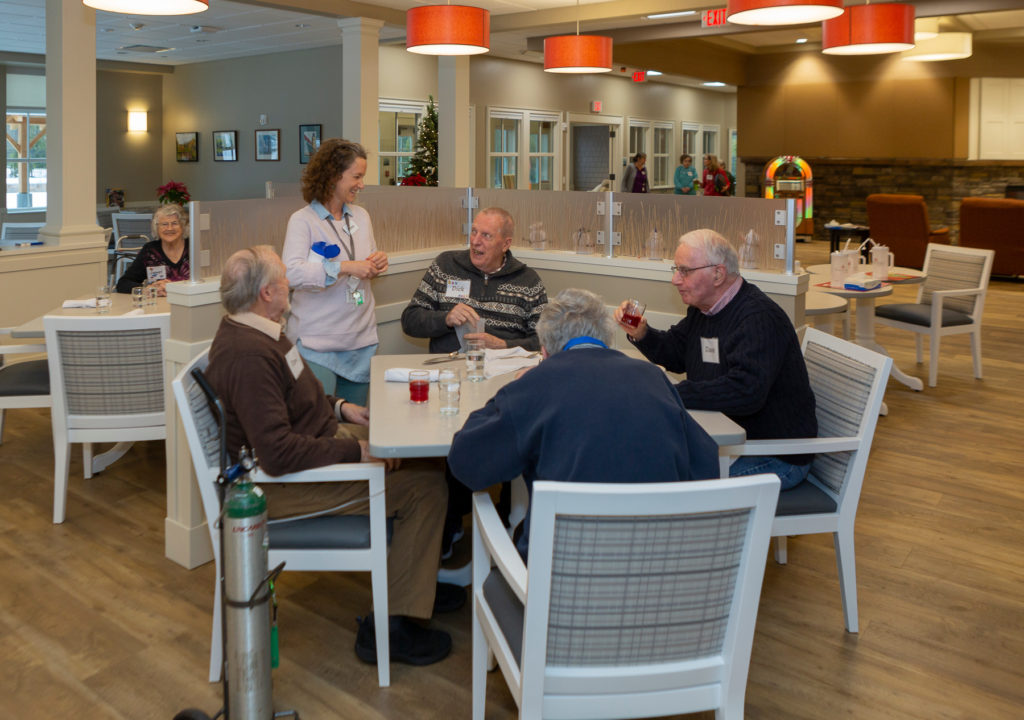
[805, 499]
[25, 378]
[916, 314]
[326, 532]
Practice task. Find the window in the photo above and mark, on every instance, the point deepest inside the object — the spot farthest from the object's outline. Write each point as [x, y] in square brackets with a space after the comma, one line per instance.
[691, 133]
[637, 139]
[26, 160]
[661, 155]
[503, 153]
[397, 123]
[542, 152]
[709, 140]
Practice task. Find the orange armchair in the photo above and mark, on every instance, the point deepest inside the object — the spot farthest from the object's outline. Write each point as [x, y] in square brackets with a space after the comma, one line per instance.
[995, 224]
[901, 223]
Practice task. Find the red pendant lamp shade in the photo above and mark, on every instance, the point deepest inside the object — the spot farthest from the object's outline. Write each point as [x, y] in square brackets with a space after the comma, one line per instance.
[447, 30]
[869, 30]
[782, 12]
[577, 54]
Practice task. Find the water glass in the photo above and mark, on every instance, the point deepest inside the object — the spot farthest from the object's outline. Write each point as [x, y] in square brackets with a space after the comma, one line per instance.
[149, 295]
[633, 312]
[419, 386]
[448, 385]
[102, 299]
[137, 299]
[475, 360]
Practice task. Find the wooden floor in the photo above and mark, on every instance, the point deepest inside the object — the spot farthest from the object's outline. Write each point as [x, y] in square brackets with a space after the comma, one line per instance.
[96, 624]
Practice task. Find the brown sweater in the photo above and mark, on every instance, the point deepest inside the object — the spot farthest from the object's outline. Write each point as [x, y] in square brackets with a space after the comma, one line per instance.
[288, 421]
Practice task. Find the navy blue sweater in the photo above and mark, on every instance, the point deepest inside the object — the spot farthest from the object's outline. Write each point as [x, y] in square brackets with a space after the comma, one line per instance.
[760, 380]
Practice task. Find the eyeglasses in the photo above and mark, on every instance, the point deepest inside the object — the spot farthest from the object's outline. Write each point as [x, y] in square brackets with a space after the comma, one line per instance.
[169, 224]
[685, 271]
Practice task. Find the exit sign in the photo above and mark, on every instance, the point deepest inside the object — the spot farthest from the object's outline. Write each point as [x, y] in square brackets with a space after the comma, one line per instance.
[713, 18]
[639, 75]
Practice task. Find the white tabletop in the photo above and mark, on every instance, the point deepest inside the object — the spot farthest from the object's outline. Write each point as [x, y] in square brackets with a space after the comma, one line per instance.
[897, 275]
[399, 428]
[817, 302]
[120, 303]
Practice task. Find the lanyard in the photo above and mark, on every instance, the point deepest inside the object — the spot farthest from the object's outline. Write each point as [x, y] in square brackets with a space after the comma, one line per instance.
[350, 249]
[583, 340]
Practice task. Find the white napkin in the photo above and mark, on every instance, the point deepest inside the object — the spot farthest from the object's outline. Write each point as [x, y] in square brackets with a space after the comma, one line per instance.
[88, 303]
[402, 374]
[506, 360]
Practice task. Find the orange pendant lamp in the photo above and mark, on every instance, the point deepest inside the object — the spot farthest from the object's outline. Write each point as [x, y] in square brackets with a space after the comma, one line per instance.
[447, 30]
[782, 12]
[150, 7]
[578, 53]
[869, 30]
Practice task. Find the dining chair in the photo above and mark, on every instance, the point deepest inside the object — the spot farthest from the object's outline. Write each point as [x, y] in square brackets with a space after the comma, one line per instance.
[950, 301]
[639, 600]
[329, 542]
[900, 222]
[11, 233]
[848, 382]
[24, 384]
[107, 384]
[131, 232]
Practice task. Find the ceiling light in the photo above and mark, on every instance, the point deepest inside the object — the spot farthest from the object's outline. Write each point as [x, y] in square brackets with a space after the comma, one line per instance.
[782, 12]
[869, 30]
[945, 46]
[149, 7]
[926, 28]
[447, 30]
[661, 16]
[714, 83]
[578, 53]
[653, 73]
[801, 41]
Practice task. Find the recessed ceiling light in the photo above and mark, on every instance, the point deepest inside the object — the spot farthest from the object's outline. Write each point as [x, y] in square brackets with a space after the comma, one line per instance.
[302, 25]
[660, 16]
[801, 41]
[714, 83]
[653, 73]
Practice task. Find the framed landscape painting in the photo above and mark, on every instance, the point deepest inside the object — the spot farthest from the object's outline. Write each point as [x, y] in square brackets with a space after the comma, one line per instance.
[186, 146]
[309, 142]
[268, 144]
[225, 145]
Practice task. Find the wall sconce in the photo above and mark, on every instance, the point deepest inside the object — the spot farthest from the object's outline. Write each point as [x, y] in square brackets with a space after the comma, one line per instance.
[138, 121]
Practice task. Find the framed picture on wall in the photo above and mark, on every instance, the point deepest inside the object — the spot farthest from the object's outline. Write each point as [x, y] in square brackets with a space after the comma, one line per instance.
[186, 146]
[268, 144]
[225, 145]
[309, 142]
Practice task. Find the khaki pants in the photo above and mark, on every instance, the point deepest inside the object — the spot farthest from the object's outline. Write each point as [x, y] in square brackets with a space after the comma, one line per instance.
[415, 497]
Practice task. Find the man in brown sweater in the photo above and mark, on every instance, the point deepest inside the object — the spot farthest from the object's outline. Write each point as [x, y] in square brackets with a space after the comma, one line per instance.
[275, 405]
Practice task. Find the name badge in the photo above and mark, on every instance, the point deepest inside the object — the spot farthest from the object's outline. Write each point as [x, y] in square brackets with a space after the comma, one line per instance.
[156, 272]
[709, 350]
[351, 227]
[294, 362]
[354, 294]
[457, 289]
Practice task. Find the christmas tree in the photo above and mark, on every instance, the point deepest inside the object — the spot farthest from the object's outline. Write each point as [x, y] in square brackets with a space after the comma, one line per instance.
[424, 162]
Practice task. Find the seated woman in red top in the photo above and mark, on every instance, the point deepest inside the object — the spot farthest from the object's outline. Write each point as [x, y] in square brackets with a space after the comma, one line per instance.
[163, 260]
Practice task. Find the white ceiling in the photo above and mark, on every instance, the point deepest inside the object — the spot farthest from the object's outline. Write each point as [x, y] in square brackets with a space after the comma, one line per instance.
[240, 29]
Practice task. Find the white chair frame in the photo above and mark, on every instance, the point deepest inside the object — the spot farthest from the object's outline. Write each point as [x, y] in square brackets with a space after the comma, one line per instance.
[13, 402]
[715, 680]
[90, 427]
[841, 521]
[372, 559]
[934, 329]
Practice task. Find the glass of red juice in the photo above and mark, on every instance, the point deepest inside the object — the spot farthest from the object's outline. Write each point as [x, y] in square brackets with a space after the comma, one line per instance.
[419, 386]
[633, 311]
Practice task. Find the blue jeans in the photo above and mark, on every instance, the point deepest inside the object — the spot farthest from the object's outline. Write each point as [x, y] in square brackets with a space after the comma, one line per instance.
[340, 387]
[790, 475]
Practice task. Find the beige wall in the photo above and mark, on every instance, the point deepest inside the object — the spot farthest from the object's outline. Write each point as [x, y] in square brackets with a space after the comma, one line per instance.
[130, 161]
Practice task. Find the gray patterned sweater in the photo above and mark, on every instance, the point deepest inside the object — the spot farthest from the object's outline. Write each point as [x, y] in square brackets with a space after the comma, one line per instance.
[510, 301]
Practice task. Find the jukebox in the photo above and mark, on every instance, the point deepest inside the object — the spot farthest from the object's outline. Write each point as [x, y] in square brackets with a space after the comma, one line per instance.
[789, 176]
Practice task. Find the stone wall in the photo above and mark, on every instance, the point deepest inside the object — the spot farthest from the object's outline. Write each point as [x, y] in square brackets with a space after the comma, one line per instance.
[842, 186]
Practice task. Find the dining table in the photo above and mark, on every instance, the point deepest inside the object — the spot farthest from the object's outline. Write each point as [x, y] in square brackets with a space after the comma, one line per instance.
[864, 302]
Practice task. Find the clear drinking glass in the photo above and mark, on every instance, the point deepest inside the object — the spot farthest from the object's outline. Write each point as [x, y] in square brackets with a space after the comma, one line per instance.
[475, 360]
[448, 384]
[102, 299]
[419, 386]
[137, 298]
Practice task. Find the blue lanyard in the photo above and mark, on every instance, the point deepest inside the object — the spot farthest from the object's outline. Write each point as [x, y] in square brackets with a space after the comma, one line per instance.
[583, 340]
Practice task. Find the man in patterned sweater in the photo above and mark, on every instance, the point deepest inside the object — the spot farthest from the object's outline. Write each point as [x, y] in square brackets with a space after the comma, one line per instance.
[739, 351]
[484, 282]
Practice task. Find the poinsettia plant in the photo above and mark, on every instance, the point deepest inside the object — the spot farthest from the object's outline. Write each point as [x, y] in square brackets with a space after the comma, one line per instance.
[416, 180]
[173, 192]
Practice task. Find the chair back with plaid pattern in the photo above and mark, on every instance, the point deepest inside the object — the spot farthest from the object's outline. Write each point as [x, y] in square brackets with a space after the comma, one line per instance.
[957, 268]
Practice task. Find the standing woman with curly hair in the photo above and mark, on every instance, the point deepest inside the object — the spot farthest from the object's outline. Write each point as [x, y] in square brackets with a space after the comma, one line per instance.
[331, 256]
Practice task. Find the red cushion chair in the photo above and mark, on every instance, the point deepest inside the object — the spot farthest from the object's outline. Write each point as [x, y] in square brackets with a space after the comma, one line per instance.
[995, 224]
[901, 223]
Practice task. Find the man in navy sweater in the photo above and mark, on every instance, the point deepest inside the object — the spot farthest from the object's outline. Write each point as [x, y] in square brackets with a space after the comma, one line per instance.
[739, 351]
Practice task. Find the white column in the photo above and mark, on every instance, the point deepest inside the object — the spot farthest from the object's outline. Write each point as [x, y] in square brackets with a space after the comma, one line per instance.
[453, 131]
[71, 128]
[360, 87]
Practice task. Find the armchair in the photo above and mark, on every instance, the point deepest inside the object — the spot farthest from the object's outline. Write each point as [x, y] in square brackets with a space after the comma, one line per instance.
[22, 384]
[995, 224]
[330, 542]
[901, 223]
[848, 383]
[639, 600]
[950, 301]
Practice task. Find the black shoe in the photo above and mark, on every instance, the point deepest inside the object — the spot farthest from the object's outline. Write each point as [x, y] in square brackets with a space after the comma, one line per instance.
[448, 598]
[409, 642]
[448, 542]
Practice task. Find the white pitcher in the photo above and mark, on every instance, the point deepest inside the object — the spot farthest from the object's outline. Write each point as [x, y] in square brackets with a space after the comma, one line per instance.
[844, 264]
[882, 262]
